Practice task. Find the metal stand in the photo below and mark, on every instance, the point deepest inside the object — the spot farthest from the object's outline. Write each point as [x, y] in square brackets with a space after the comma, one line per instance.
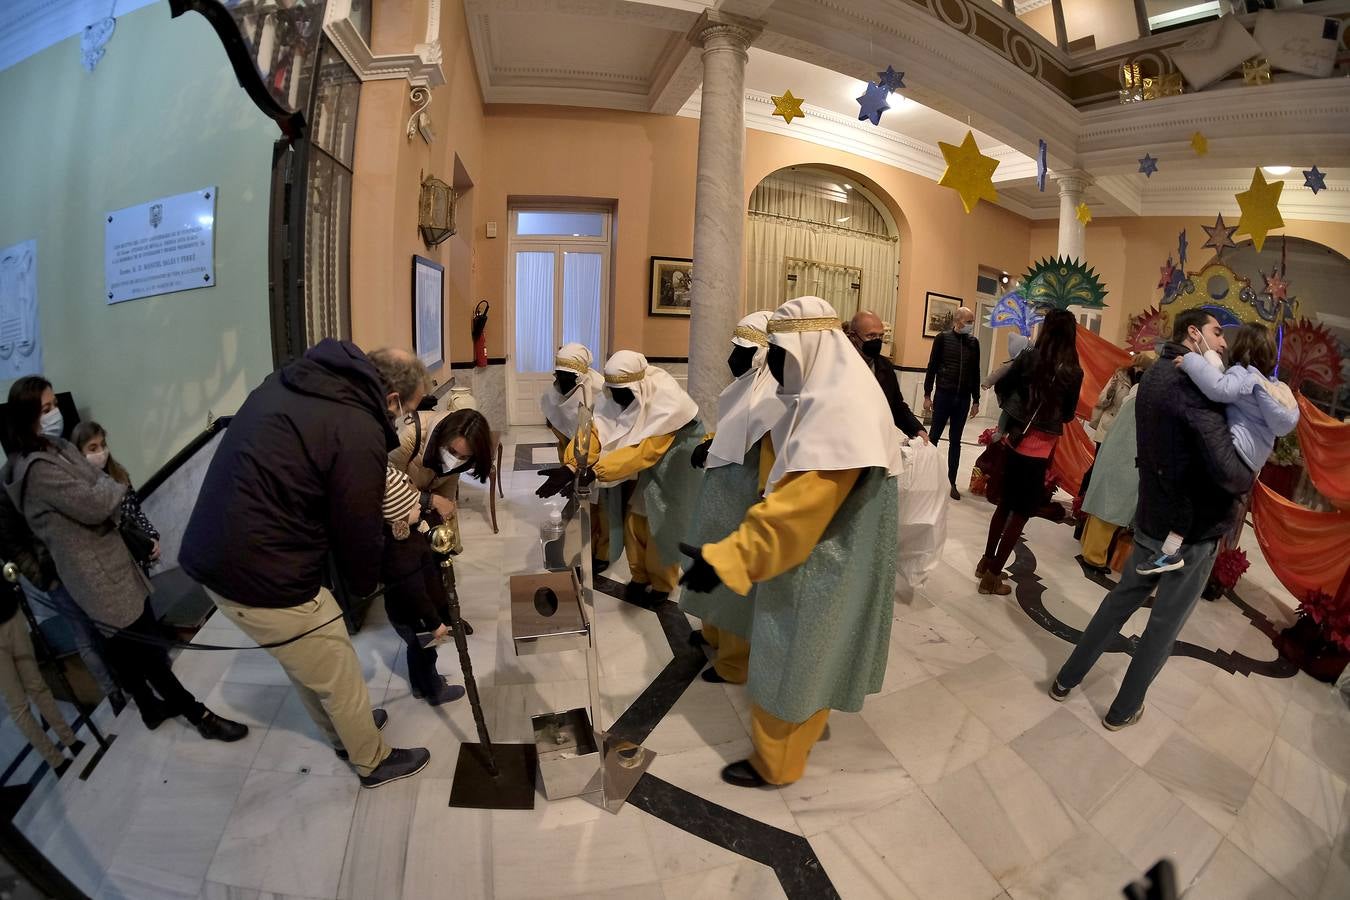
[487, 775]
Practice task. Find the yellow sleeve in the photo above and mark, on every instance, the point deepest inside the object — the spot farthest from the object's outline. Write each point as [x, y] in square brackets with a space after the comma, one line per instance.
[563, 441]
[780, 532]
[569, 452]
[624, 463]
[767, 457]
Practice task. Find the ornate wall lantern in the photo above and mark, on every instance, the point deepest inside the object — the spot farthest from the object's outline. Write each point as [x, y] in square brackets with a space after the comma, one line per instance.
[436, 211]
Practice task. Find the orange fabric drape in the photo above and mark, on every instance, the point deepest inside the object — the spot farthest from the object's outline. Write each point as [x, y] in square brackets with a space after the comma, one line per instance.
[1099, 359]
[1073, 454]
[1308, 551]
[1326, 448]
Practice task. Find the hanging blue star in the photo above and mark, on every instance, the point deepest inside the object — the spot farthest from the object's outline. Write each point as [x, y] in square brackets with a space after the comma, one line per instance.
[873, 103]
[1181, 249]
[1040, 167]
[891, 80]
[1315, 179]
[1148, 165]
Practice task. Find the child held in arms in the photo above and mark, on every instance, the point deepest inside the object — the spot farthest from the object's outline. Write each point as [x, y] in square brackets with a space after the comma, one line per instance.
[1259, 409]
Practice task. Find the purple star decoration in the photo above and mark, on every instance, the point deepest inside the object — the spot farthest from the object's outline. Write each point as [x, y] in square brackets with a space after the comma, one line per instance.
[1314, 179]
[891, 80]
[1040, 167]
[873, 103]
[1148, 165]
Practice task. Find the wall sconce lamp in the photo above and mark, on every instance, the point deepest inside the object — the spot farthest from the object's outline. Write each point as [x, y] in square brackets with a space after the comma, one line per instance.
[436, 211]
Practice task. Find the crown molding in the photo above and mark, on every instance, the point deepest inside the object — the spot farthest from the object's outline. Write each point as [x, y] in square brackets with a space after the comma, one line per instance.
[421, 67]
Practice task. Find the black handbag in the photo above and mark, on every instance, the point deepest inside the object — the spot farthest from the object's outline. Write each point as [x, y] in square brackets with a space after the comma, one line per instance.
[138, 541]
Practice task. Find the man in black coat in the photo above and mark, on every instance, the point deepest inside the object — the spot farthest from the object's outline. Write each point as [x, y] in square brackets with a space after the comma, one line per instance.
[954, 370]
[1186, 462]
[300, 471]
[867, 331]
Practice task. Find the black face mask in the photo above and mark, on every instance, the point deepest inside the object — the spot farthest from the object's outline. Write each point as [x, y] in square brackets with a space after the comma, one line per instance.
[621, 396]
[872, 348]
[564, 381]
[777, 362]
[740, 360]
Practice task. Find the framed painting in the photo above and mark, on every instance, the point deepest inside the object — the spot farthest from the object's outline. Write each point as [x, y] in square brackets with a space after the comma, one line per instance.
[938, 312]
[428, 312]
[671, 287]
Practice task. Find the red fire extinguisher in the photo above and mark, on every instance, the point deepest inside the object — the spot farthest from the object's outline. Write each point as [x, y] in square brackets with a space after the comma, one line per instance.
[479, 331]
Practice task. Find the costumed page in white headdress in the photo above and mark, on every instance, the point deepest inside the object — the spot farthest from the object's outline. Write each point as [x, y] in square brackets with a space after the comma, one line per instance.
[561, 409]
[837, 417]
[660, 406]
[750, 405]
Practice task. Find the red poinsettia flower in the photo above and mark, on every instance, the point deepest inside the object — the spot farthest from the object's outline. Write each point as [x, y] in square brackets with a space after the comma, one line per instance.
[1331, 615]
[987, 436]
[1230, 566]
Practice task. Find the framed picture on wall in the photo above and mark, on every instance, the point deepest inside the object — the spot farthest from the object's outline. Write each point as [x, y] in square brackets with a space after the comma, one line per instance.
[671, 287]
[428, 284]
[938, 312]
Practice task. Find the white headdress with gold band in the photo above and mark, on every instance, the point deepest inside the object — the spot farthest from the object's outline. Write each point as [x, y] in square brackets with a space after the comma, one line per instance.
[561, 410]
[837, 417]
[660, 406]
[750, 405]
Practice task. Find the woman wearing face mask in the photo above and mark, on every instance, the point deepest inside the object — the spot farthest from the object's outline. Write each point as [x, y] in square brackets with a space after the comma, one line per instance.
[75, 510]
[577, 385]
[437, 446]
[92, 440]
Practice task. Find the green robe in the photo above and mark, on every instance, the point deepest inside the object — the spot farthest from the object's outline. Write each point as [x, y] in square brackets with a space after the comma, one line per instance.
[670, 490]
[1113, 493]
[822, 630]
[728, 492]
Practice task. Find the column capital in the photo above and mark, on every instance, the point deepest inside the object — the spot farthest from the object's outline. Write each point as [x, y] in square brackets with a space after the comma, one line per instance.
[1073, 181]
[716, 30]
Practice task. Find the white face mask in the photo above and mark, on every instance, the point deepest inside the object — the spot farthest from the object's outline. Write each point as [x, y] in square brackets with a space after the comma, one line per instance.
[450, 462]
[1211, 356]
[52, 423]
[98, 459]
[968, 328]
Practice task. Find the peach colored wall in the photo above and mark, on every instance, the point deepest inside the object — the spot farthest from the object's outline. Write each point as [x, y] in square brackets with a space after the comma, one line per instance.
[387, 183]
[1128, 253]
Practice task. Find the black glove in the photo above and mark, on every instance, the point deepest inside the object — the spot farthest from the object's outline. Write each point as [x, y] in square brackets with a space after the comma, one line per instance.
[701, 577]
[699, 458]
[556, 480]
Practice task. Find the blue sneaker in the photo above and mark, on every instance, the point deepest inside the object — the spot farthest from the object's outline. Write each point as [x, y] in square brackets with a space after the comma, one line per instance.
[1164, 562]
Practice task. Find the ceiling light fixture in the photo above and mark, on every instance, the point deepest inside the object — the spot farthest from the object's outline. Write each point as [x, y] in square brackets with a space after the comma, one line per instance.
[847, 186]
[1276, 170]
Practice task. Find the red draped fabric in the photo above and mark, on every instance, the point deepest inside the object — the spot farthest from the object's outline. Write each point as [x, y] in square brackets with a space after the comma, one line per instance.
[1326, 449]
[1073, 454]
[1308, 551]
[1100, 359]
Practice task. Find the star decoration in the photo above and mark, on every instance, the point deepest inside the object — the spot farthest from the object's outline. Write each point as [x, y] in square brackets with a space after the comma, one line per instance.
[1148, 165]
[1314, 179]
[1040, 166]
[1083, 213]
[1200, 144]
[788, 106]
[891, 80]
[1220, 235]
[1182, 244]
[873, 102]
[969, 172]
[1276, 286]
[1260, 209]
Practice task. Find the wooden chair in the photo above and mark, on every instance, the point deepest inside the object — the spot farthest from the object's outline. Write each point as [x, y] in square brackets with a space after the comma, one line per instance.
[494, 479]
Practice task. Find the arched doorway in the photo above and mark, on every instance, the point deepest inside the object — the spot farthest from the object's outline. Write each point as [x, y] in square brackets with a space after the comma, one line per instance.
[820, 232]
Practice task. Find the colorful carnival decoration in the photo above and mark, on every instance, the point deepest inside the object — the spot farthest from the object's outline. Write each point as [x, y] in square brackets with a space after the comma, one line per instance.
[1219, 236]
[1325, 444]
[1309, 354]
[1062, 282]
[1218, 290]
[1013, 311]
[1146, 330]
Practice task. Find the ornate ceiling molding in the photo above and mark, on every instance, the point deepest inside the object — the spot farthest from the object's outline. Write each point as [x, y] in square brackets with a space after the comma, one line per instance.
[421, 66]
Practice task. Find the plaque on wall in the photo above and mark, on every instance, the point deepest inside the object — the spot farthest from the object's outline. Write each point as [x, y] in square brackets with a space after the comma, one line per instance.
[20, 341]
[160, 247]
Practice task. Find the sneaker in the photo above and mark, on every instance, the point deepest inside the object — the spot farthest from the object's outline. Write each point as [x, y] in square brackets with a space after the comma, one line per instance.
[381, 719]
[214, 728]
[445, 693]
[399, 764]
[1116, 726]
[1163, 562]
[1058, 692]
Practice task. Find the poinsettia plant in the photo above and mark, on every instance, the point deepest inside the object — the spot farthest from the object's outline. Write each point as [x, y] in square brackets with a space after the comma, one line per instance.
[1331, 615]
[988, 436]
[1287, 451]
[1230, 566]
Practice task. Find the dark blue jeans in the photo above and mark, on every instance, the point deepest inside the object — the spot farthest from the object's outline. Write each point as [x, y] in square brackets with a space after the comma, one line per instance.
[1178, 592]
[950, 409]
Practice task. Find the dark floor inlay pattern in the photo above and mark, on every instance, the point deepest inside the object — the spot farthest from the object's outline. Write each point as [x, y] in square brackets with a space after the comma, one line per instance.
[524, 461]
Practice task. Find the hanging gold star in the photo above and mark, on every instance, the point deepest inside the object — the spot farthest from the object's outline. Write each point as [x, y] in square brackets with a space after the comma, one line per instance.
[1200, 144]
[969, 172]
[1084, 214]
[1260, 209]
[788, 106]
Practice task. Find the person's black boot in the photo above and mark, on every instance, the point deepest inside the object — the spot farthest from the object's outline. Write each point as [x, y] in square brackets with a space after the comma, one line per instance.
[399, 764]
[214, 728]
[636, 592]
[154, 712]
[445, 692]
[710, 675]
[742, 774]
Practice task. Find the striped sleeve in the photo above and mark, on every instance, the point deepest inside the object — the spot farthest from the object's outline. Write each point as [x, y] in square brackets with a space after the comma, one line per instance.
[400, 497]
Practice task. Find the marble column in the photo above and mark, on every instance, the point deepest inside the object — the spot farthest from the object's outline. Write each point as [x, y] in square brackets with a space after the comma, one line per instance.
[1073, 184]
[719, 205]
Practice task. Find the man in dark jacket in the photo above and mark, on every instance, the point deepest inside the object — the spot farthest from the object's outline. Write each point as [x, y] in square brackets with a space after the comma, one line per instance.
[867, 331]
[300, 471]
[1185, 453]
[954, 369]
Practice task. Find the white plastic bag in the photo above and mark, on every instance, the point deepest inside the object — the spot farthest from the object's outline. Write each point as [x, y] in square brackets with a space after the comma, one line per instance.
[923, 512]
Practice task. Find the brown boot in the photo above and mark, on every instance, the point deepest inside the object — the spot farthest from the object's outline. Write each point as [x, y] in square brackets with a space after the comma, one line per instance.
[984, 565]
[992, 583]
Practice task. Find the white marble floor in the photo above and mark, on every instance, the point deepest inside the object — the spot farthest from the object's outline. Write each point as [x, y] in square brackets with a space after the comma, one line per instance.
[962, 779]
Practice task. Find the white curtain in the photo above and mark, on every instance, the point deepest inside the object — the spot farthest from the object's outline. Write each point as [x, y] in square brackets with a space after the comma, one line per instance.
[534, 311]
[805, 222]
[581, 300]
